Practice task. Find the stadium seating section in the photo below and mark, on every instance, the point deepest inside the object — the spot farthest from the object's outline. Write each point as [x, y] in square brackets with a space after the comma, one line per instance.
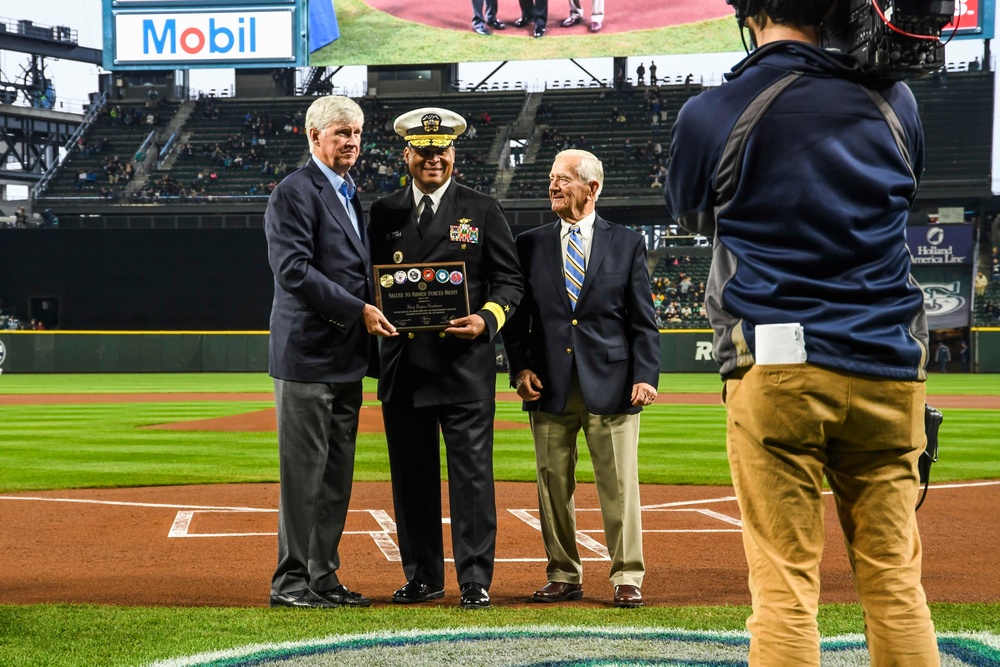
[220, 141]
[678, 282]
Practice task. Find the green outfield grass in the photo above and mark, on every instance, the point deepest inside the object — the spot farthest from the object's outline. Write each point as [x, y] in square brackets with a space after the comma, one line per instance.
[371, 36]
[99, 445]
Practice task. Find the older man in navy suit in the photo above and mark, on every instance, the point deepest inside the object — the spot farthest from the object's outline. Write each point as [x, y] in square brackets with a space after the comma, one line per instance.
[320, 349]
[584, 355]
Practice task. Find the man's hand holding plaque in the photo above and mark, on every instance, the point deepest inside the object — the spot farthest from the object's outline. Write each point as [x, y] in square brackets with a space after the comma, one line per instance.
[428, 296]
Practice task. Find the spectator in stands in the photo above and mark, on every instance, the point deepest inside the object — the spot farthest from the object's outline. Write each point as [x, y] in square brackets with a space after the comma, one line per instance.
[21, 218]
[845, 400]
[640, 75]
[981, 283]
[652, 73]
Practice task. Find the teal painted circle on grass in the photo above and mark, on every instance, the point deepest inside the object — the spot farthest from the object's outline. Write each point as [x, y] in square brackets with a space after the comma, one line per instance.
[543, 646]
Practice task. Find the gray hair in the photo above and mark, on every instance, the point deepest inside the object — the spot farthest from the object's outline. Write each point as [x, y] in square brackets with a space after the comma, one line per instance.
[588, 167]
[332, 109]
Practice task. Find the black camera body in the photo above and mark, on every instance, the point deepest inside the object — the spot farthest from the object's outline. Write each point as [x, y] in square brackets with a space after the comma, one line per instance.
[857, 29]
[890, 39]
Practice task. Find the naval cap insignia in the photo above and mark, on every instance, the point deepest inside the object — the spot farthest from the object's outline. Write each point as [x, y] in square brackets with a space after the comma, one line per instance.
[431, 122]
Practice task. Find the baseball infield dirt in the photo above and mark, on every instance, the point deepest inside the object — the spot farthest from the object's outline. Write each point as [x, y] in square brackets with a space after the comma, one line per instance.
[216, 545]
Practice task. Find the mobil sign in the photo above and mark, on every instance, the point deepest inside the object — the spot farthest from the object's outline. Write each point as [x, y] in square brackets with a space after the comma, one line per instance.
[222, 37]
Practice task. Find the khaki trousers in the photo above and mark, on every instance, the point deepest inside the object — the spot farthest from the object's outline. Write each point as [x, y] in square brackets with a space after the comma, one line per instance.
[613, 441]
[596, 9]
[787, 426]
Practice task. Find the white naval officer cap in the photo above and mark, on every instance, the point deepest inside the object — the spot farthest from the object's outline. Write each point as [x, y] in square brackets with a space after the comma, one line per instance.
[430, 126]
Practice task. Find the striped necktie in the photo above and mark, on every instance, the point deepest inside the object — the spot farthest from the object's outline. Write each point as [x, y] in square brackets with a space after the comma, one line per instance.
[574, 265]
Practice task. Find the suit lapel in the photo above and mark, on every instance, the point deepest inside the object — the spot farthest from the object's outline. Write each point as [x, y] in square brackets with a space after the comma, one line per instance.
[551, 246]
[336, 208]
[598, 249]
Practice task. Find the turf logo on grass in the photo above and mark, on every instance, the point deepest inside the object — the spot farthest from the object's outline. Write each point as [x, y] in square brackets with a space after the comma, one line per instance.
[536, 646]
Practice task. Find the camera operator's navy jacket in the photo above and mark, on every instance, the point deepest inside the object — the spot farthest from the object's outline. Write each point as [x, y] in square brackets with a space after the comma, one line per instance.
[804, 174]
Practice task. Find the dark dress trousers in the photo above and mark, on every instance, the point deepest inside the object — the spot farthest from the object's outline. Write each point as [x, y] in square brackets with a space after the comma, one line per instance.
[536, 11]
[431, 381]
[319, 351]
[478, 17]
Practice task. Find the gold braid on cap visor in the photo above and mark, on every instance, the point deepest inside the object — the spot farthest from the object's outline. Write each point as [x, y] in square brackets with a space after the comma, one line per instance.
[425, 140]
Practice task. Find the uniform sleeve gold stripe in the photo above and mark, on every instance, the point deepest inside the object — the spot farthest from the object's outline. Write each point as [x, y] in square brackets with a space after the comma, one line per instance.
[497, 313]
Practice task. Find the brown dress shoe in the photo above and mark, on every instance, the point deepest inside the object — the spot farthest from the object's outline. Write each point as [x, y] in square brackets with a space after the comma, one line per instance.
[628, 596]
[557, 591]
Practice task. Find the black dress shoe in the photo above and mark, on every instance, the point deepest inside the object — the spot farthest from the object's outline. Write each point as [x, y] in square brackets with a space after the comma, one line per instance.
[474, 596]
[522, 23]
[496, 24]
[539, 31]
[558, 591]
[304, 599]
[341, 596]
[481, 29]
[414, 591]
[571, 21]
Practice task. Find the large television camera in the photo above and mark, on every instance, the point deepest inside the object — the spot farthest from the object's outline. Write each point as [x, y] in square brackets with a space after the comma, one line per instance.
[890, 38]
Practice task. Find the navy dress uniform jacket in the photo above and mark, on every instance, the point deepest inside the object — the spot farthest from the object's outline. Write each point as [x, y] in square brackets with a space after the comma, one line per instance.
[438, 370]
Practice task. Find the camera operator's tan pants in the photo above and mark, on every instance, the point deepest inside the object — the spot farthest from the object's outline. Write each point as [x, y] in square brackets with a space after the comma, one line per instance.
[787, 425]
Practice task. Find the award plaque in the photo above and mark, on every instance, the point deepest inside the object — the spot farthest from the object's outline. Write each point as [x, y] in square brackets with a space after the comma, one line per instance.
[421, 296]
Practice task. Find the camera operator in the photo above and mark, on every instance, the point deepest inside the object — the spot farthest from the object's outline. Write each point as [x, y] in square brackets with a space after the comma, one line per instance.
[804, 172]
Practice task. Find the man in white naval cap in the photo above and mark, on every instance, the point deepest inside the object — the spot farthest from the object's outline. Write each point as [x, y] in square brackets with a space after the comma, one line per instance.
[444, 380]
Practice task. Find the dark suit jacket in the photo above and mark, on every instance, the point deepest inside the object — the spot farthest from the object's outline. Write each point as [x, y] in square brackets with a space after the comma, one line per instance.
[438, 370]
[612, 333]
[322, 280]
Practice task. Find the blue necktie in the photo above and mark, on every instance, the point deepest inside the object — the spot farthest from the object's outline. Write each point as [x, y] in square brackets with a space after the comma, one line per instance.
[346, 191]
[574, 265]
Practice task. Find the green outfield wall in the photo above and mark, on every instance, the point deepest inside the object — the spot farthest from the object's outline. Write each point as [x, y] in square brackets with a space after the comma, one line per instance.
[681, 351]
[134, 352]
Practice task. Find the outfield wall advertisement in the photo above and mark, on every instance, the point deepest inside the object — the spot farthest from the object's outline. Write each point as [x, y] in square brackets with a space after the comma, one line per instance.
[943, 265]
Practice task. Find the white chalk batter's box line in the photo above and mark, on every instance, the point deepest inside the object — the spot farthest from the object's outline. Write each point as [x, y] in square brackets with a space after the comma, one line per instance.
[383, 538]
